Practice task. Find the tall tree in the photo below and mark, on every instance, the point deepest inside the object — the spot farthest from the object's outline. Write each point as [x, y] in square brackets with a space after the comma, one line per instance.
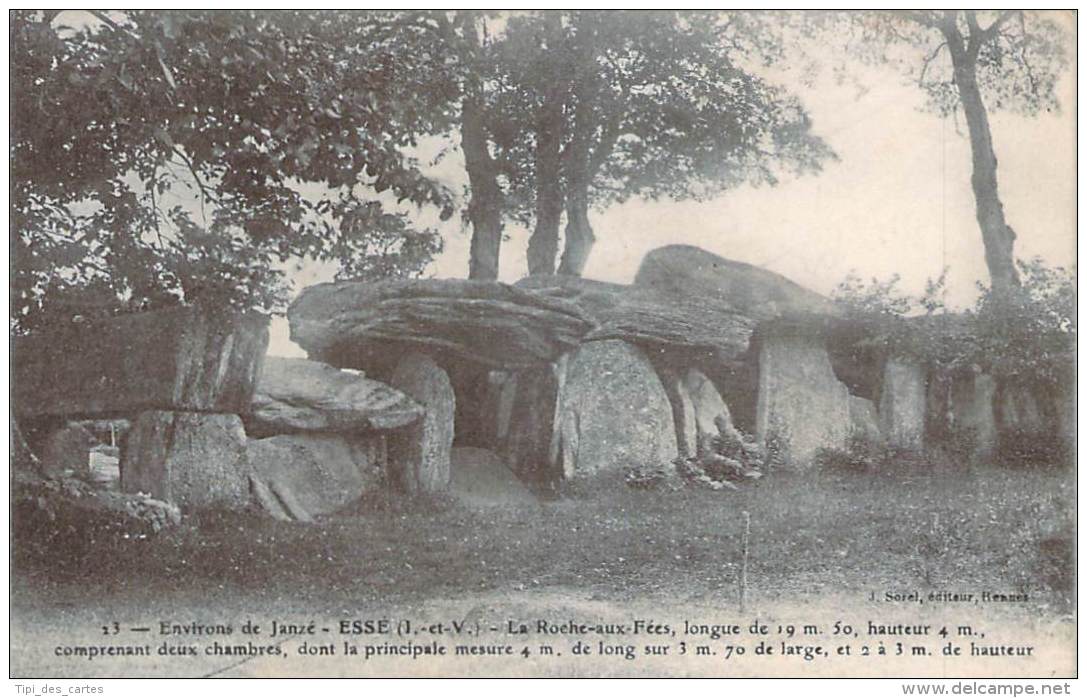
[653, 104]
[276, 124]
[467, 48]
[975, 62]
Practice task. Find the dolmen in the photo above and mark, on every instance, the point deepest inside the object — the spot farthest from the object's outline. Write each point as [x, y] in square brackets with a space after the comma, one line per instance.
[420, 385]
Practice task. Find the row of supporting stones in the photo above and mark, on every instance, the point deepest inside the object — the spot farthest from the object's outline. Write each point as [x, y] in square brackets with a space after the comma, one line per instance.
[205, 460]
[600, 407]
[194, 459]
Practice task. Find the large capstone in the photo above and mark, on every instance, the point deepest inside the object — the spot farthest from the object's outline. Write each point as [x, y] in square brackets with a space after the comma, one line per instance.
[362, 325]
[684, 328]
[419, 452]
[366, 325]
[195, 460]
[802, 406]
[300, 476]
[902, 404]
[182, 359]
[695, 273]
[613, 412]
[300, 395]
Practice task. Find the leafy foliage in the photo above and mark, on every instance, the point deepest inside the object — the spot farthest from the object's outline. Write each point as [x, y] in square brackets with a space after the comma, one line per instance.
[658, 101]
[588, 109]
[1020, 53]
[865, 455]
[1027, 334]
[273, 122]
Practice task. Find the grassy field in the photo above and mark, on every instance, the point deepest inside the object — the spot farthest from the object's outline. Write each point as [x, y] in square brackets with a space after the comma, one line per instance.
[823, 547]
[985, 528]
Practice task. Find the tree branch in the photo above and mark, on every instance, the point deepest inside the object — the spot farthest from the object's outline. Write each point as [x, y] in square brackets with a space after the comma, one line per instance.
[928, 62]
[923, 19]
[106, 20]
[204, 194]
[993, 28]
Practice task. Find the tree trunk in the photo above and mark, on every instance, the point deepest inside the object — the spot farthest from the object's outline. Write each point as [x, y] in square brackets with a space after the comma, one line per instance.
[485, 202]
[543, 246]
[579, 232]
[484, 206]
[996, 234]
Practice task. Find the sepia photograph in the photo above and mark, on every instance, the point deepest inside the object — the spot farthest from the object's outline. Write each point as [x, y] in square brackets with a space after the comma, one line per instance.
[529, 343]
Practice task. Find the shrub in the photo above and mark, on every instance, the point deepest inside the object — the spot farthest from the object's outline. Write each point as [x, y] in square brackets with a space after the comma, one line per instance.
[729, 458]
[859, 455]
[1026, 448]
[866, 455]
[649, 477]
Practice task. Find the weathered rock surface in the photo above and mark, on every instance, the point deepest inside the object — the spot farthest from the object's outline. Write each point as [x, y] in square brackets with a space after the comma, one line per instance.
[357, 325]
[972, 397]
[692, 272]
[526, 427]
[419, 452]
[693, 329]
[361, 325]
[67, 449]
[802, 406]
[613, 412]
[301, 395]
[1067, 408]
[711, 414]
[857, 355]
[300, 476]
[902, 404]
[1021, 408]
[191, 459]
[182, 359]
[683, 414]
[23, 458]
[863, 420]
[480, 478]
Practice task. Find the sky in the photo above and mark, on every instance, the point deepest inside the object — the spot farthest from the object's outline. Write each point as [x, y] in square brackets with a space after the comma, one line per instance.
[897, 200]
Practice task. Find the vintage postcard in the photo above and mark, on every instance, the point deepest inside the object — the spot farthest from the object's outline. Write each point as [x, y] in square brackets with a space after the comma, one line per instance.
[579, 343]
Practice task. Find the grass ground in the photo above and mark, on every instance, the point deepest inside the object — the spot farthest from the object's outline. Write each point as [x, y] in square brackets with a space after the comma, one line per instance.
[841, 535]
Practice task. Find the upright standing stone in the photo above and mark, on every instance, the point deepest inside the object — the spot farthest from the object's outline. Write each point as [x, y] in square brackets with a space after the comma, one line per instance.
[683, 412]
[711, 414]
[972, 396]
[863, 420]
[299, 476]
[902, 404]
[802, 406]
[194, 460]
[613, 412]
[1066, 417]
[1019, 409]
[419, 453]
[526, 423]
